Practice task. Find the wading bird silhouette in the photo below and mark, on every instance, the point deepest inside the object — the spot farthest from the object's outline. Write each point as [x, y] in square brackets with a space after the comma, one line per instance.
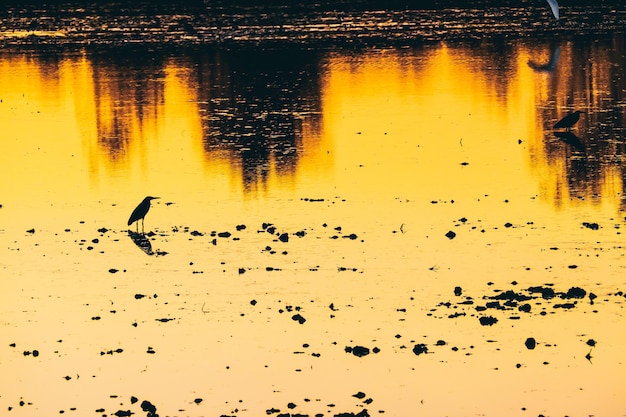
[568, 121]
[555, 8]
[140, 212]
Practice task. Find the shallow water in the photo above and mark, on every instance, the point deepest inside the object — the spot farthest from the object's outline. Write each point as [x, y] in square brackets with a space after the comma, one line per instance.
[385, 228]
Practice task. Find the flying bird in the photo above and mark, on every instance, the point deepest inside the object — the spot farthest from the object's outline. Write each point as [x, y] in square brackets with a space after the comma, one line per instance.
[568, 121]
[555, 8]
[140, 212]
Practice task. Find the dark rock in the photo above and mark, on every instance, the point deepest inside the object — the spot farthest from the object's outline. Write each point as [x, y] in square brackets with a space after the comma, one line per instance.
[197, 400]
[458, 291]
[488, 320]
[591, 342]
[358, 351]
[253, 302]
[240, 227]
[546, 293]
[450, 235]
[525, 308]
[530, 343]
[360, 395]
[31, 231]
[113, 270]
[576, 292]
[284, 237]
[420, 348]
[566, 306]
[298, 318]
[139, 296]
[592, 226]
[103, 230]
[149, 408]
[511, 295]
[223, 234]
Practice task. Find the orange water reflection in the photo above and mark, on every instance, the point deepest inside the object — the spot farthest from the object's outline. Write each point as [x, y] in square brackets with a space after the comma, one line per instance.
[395, 146]
[269, 120]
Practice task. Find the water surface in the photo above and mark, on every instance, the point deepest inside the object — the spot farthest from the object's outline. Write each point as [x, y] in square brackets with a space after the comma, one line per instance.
[380, 228]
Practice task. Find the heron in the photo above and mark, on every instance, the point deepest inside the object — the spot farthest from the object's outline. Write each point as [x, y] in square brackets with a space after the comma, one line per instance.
[140, 212]
[568, 121]
[555, 8]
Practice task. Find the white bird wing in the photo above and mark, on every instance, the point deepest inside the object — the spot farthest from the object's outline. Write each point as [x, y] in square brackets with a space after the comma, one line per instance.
[555, 8]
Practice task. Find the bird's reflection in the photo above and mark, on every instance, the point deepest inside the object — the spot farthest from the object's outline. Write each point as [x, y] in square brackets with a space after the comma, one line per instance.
[548, 66]
[571, 139]
[141, 241]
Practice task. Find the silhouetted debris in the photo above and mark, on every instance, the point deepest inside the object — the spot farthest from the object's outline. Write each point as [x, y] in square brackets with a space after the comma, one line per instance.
[576, 292]
[592, 226]
[420, 348]
[358, 350]
[488, 320]
[224, 234]
[591, 342]
[149, 408]
[360, 395]
[196, 233]
[123, 413]
[113, 270]
[253, 302]
[362, 413]
[164, 320]
[284, 237]
[240, 227]
[450, 235]
[150, 350]
[110, 352]
[530, 343]
[31, 231]
[546, 293]
[197, 400]
[298, 318]
[458, 291]
[139, 296]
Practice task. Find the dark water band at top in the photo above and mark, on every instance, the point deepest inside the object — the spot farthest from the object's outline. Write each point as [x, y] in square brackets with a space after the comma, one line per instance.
[327, 23]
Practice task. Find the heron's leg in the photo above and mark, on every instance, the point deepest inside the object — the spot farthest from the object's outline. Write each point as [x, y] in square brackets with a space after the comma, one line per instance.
[142, 231]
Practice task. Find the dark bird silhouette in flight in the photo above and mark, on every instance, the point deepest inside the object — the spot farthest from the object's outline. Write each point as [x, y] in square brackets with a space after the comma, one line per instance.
[568, 121]
[140, 212]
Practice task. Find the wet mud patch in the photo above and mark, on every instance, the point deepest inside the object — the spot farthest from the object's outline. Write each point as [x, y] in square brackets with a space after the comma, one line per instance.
[512, 303]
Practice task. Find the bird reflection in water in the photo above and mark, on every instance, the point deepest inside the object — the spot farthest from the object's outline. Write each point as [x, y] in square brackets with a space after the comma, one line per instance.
[548, 66]
[571, 139]
[141, 241]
